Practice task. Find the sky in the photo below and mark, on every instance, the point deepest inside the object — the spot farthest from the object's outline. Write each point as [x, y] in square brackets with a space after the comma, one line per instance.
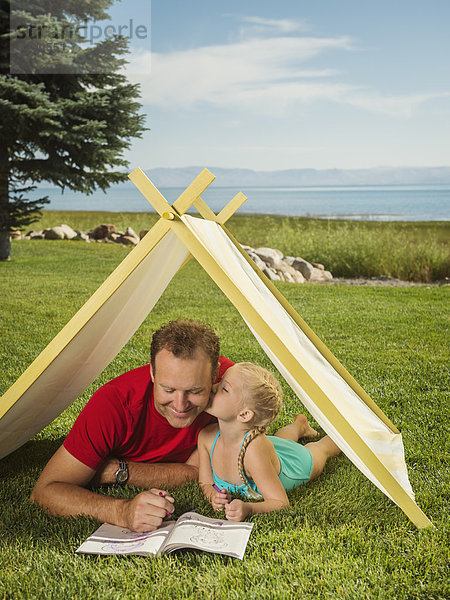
[291, 84]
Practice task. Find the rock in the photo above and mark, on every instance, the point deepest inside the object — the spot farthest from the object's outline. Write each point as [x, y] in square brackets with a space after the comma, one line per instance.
[35, 235]
[303, 266]
[255, 258]
[129, 231]
[320, 275]
[102, 231]
[69, 233]
[288, 273]
[318, 266]
[81, 237]
[271, 256]
[131, 235]
[127, 240]
[54, 233]
[271, 274]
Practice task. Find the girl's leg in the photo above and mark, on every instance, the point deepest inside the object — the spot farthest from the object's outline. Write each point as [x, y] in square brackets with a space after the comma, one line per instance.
[300, 428]
[321, 451]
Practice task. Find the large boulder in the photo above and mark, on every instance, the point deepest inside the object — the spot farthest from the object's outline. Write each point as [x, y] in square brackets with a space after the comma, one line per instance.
[35, 235]
[319, 275]
[130, 232]
[102, 231]
[69, 233]
[271, 274]
[54, 233]
[301, 265]
[271, 256]
[129, 237]
[255, 258]
[288, 273]
[127, 240]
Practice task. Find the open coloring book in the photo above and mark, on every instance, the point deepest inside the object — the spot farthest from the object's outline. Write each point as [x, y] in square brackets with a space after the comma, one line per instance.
[191, 530]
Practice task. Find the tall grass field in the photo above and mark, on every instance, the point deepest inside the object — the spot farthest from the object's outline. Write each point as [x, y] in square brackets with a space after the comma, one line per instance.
[405, 250]
[340, 538]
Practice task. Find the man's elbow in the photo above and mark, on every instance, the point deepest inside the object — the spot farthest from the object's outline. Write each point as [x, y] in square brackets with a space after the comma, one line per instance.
[36, 494]
[191, 473]
[181, 475]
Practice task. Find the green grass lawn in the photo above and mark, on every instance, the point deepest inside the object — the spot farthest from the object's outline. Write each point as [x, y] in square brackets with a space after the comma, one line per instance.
[341, 538]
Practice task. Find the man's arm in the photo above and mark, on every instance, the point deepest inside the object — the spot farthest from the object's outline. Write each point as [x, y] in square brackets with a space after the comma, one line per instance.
[147, 475]
[61, 490]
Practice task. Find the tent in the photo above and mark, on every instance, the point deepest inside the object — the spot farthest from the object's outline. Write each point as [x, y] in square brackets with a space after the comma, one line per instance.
[91, 339]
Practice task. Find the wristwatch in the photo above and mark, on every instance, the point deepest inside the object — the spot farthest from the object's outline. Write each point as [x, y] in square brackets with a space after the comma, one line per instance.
[122, 472]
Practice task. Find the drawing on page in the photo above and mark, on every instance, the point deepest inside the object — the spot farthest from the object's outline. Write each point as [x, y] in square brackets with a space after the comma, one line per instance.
[123, 547]
[208, 537]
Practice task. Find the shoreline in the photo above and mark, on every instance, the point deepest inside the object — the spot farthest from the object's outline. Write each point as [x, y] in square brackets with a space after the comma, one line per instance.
[354, 218]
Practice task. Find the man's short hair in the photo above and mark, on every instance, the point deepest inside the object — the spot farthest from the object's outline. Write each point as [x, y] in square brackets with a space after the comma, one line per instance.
[183, 338]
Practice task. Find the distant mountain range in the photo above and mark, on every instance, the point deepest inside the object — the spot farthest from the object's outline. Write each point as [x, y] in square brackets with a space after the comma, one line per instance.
[244, 178]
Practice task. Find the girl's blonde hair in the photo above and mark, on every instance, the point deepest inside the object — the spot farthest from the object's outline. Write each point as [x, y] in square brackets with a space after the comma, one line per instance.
[262, 394]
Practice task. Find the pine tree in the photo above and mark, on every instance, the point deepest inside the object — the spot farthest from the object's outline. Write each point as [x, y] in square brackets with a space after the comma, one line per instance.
[66, 113]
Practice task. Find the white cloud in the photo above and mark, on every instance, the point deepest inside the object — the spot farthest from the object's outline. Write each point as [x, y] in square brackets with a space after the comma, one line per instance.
[260, 75]
[262, 25]
[224, 74]
[396, 106]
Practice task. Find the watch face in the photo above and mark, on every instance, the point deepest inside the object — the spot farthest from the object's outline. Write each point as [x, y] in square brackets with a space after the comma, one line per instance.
[121, 476]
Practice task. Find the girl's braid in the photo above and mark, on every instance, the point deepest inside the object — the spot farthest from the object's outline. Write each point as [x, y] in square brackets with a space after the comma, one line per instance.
[251, 436]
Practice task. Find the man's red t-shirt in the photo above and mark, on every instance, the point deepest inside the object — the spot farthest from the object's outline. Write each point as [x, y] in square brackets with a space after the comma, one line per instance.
[120, 420]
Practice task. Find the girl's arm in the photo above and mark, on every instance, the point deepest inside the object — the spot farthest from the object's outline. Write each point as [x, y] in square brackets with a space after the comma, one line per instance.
[218, 500]
[261, 463]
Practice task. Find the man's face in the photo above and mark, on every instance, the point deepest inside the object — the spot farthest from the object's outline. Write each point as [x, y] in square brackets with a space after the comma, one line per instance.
[181, 386]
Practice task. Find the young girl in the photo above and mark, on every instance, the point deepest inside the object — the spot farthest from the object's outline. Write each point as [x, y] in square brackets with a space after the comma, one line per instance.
[236, 456]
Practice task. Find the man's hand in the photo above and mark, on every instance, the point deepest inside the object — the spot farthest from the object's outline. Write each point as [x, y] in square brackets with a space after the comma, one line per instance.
[237, 510]
[61, 491]
[147, 510]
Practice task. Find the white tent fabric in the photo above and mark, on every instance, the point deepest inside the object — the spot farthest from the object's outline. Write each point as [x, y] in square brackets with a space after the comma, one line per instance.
[89, 350]
[385, 444]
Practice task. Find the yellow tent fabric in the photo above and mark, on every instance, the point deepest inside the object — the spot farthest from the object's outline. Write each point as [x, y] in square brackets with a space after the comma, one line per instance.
[372, 430]
[81, 351]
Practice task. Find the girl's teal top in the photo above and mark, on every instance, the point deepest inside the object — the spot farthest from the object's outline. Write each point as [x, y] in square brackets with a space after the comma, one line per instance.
[296, 464]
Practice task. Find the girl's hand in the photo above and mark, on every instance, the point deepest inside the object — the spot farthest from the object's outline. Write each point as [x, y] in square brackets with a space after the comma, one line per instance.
[219, 500]
[237, 510]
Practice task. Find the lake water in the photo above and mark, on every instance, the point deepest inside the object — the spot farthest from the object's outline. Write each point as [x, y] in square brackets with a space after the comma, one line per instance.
[378, 203]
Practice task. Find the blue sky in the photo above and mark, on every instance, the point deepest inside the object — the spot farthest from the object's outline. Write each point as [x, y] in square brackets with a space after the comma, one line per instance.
[289, 84]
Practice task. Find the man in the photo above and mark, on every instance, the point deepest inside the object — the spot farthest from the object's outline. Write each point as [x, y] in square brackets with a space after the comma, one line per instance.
[141, 428]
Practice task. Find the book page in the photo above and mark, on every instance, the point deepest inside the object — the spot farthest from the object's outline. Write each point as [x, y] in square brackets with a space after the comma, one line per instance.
[110, 539]
[211, 535]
